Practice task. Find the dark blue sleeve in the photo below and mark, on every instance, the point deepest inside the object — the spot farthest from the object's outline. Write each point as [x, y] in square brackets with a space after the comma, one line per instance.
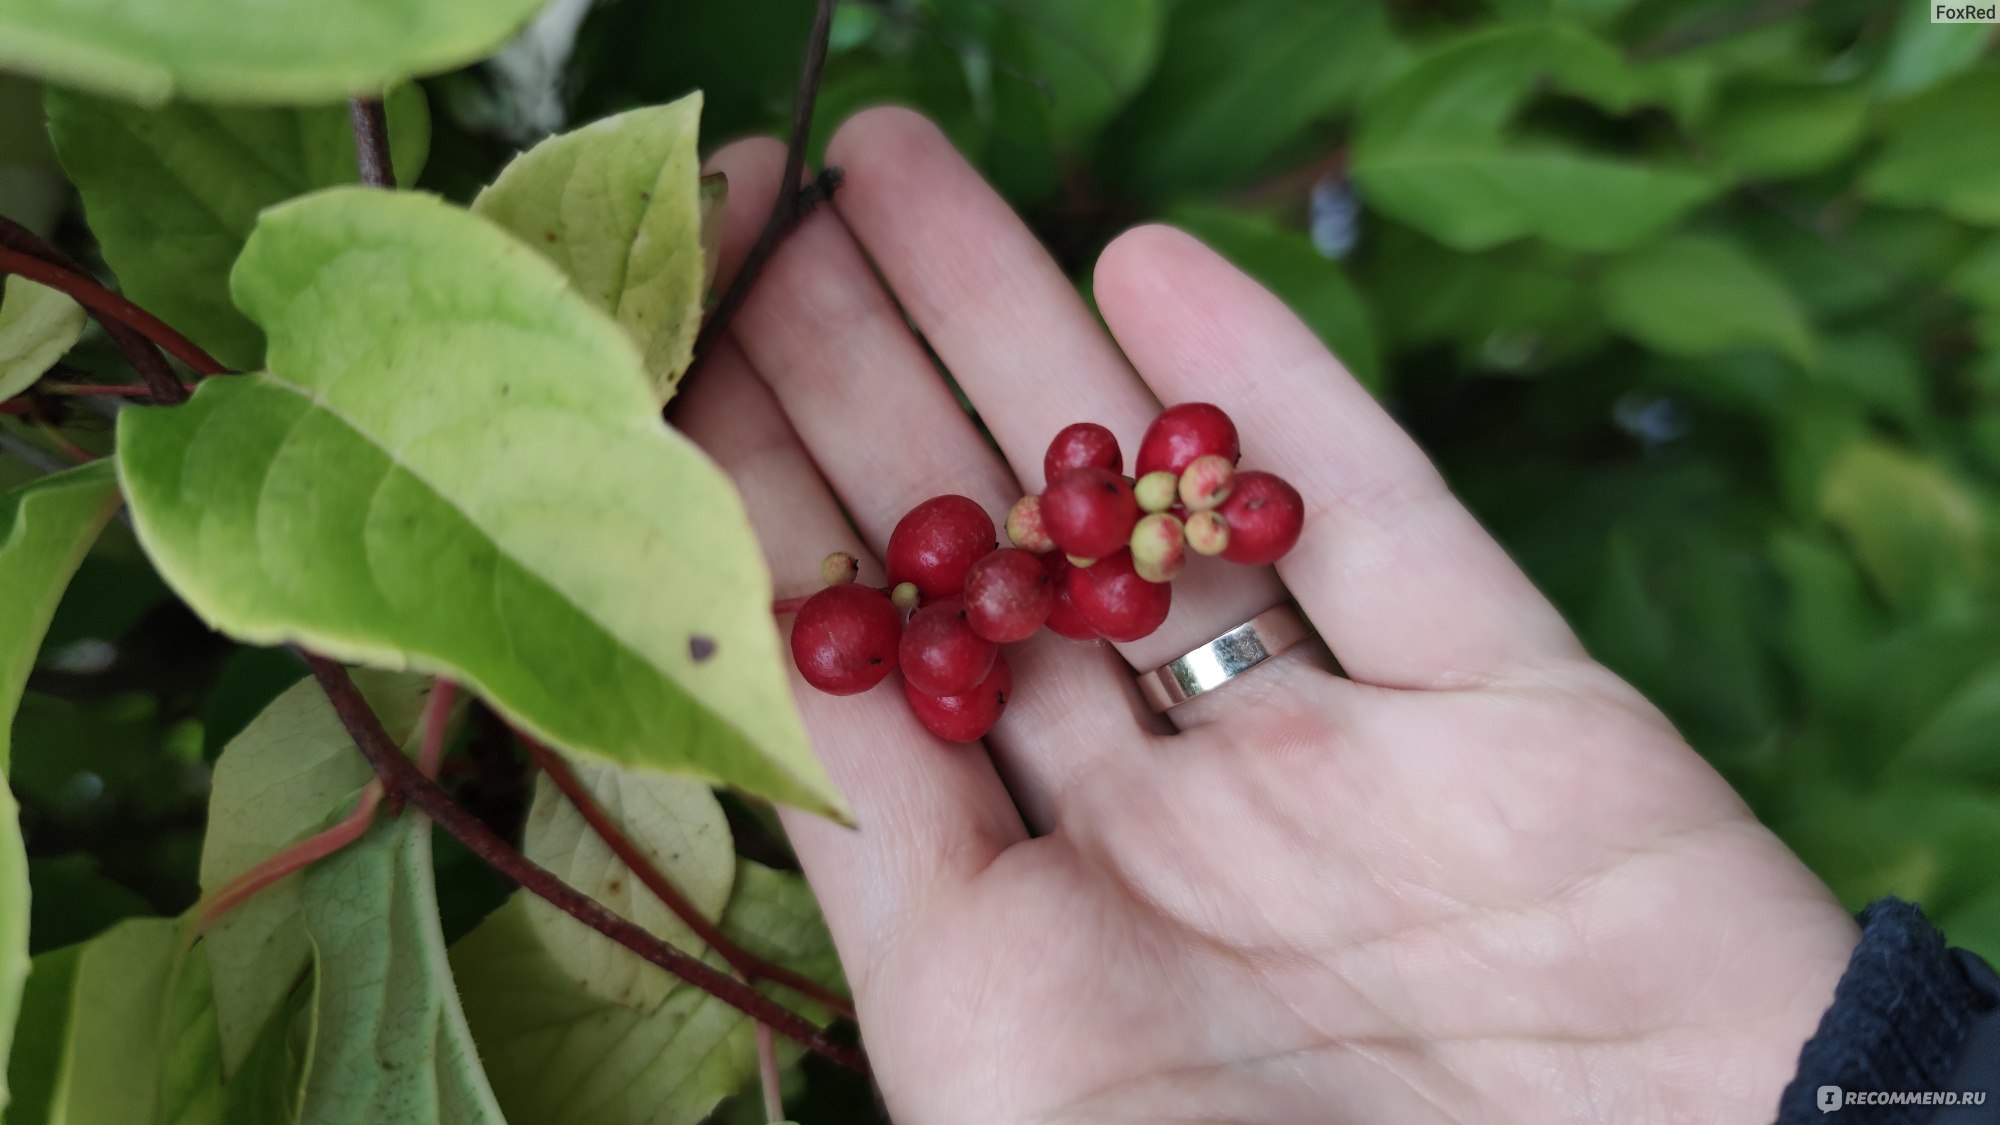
[1908, 1015]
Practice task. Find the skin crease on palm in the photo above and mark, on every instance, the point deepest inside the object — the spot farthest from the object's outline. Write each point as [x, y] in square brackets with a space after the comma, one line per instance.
[1477, 879]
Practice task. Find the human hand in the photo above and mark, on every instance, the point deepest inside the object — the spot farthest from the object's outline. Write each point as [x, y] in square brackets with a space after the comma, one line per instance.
[1480, 879]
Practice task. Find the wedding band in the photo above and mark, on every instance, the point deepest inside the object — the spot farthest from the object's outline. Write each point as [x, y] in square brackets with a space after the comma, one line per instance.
[1225, 658]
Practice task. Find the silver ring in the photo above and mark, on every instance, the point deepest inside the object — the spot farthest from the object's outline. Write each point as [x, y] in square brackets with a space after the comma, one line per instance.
[1225, 658]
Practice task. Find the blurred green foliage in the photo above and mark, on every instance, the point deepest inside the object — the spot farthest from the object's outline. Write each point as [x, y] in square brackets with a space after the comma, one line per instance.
[1696, 302]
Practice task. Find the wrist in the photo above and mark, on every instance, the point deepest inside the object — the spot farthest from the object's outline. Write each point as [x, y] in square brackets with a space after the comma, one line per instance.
[1899, 1020]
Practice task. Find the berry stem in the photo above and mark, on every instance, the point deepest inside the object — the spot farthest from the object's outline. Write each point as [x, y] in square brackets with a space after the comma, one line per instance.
[746, 964]
[398, 772]
[782, 606]
[308, 851]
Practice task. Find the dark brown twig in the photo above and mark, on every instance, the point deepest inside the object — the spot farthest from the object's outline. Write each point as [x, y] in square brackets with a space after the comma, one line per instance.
[1727, 22]
[747, 964]
[794, 200]
[371, 142]
[134, 330]
[399, 773]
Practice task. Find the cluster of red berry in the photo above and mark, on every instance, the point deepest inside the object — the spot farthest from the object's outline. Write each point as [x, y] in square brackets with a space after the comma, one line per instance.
[1093, 557]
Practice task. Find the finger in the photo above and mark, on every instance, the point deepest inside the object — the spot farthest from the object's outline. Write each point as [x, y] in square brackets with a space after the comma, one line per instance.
[1402, 582]
[1012, 330]
[925, 818]
[887, 433]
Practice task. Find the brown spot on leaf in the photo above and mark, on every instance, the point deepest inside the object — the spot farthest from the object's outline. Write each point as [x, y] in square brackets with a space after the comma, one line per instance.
[548, 236]
[700, 648]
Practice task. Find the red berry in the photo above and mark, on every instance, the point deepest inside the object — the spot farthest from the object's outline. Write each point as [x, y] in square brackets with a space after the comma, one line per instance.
[941, 655]
[965, 717]
[1116, 602]
[1182, 433]
[1064, 620]
[1089, 512]
[1082, 445]
[1008, 595]
[937, 542]
[1264, 515]
[844, 639]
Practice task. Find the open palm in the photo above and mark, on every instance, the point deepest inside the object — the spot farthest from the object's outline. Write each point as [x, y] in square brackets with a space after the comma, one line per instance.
[1477, 879]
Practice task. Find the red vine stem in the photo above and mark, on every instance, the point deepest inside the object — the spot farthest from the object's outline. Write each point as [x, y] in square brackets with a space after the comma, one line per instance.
[106, 304]
[768, 1075]
[437, 716]
[371, 142]
[400, 774]
[748, 964]
[138, 350]
[84, 390]
[307, 851]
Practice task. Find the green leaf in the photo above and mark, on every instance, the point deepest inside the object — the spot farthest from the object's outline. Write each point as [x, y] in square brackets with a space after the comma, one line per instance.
[1881, 370]
[677, 823]
[1922, 54]
[1918, 839]
[172, 192]
[37, 325]
[560, 1056]
[456, 465]
[1695, 295]
[1943, 151]
[1518, 308]
[1958, 740]
[36, 1062]
[744, 58]
[45, 528]
[1088, 59]
[392, 1042]
[289, 773]
[13, 925]
[1431, 149]
[1917, 531]
[1977, 279]
[1238, 83]
[110, 1068]
[1285, 261]
[617, 204]
[249, 50]
[125, 1033]
[1778, 130]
